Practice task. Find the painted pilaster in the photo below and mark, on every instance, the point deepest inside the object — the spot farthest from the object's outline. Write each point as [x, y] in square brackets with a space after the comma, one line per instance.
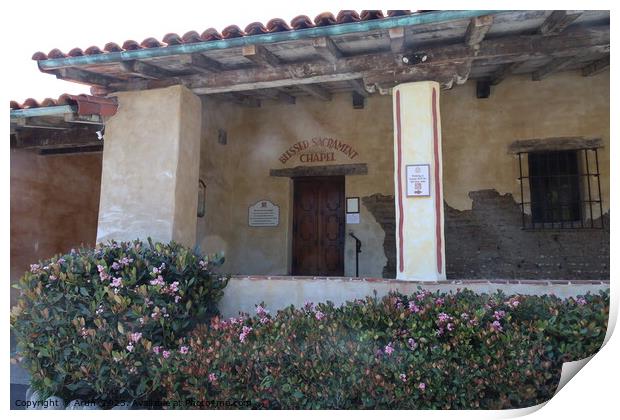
[149, 181]
[420, 245]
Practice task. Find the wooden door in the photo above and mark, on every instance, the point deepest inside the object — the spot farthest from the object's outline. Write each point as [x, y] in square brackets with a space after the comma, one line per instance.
[318, 226]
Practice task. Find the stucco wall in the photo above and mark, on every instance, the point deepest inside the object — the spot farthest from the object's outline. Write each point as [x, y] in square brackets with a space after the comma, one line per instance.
[475, 136]
[54, 206]
[237, 176]
[477, 132]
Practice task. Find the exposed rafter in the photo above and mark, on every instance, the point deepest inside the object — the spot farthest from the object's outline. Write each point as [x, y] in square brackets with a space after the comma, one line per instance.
[477, 30]
[142, 69]
[45, 138]
[260, 55]
[559, 20]
[200, 63]
[596, 67]
[397, 39]
[317, 91]
[278, 95]
[84, 77]
[552, 67]
[326, 48]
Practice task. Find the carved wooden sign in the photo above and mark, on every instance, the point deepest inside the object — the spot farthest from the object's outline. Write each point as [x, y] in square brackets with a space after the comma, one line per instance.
[264, 214]
[318, 149]
[418, 180]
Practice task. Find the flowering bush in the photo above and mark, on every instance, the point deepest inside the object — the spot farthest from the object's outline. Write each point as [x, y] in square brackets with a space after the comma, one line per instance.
[99, 323]
[425, 351]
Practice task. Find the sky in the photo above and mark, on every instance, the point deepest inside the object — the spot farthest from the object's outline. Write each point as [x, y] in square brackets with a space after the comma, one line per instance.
[43, 25]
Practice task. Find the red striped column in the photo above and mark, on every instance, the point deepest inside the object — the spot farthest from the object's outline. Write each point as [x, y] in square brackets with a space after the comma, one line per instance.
[418, 188]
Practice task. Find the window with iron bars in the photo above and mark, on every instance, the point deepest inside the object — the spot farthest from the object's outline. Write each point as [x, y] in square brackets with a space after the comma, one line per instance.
[560, 189]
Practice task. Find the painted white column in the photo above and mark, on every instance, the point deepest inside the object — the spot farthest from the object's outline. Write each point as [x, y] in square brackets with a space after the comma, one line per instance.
[420, 245]
[149, 181]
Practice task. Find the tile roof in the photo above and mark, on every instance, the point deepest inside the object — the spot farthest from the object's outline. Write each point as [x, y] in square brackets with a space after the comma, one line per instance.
[232, 31]
[86, 104]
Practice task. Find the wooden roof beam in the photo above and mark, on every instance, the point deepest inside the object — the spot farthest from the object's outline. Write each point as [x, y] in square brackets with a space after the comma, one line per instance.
[477, 30]
[326, 48]
[198, 62]
[553, 66]
[142, 69]
[596, 67]
[85, 77]
[260, 55]
[278, 95]
[317, 91]
[44, 138]
[558, 20]
[397, 39]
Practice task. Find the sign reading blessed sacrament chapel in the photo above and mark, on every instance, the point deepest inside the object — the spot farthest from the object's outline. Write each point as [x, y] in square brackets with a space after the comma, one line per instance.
[418, 184]
[318, 149]
[264, 214]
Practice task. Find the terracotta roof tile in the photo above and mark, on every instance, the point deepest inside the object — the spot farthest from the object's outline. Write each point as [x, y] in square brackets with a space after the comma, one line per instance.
[151, 43]
[347, 16]
[86, 104]
[112, 47]
[278, 25]
[324, 19]
[255, 28]
[172, 39]
[191, 36]
[301, 22]
[211, 34]
[130, 45]
[232, 31]
[76, 52]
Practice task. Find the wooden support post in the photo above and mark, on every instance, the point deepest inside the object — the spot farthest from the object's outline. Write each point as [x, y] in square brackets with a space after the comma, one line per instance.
[260, 55]
[317, 91]
[596, 67]
[559, 20]
[326, 48]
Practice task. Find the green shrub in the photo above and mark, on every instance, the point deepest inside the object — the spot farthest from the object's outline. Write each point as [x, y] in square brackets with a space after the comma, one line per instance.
[88, 324]
[425, 351]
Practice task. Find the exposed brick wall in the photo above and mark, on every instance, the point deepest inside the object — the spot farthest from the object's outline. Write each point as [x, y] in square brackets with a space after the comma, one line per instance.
[488, 242]
[382, 208]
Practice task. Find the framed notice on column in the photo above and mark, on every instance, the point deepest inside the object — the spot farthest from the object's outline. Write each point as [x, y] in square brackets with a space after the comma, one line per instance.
[418, 180]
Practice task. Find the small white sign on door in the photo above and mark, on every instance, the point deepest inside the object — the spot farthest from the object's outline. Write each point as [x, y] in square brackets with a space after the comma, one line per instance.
[264, 214]
[418, 180]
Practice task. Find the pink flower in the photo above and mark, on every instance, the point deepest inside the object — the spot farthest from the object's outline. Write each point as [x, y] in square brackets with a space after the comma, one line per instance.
[413, 307]
[388, 349]
[464, 316]
[261, 311]
[439, 301]
[184, 350]
[499, 315]
[308, 305]
[319, 315]
[403, 377]
[116, 282]
[135, 337]
[130, 347]
[34, 268]
[443, 317]
[581, 301]
[166, 354]
[53, 277]
[115, 265]
[412, 344]
[450, 326]
[264, 320]
[177, 299]
[497, 326]
[159, 281]
[212, 378]
[422, 386]
[60, 261]
[156, 349]
[244, 333]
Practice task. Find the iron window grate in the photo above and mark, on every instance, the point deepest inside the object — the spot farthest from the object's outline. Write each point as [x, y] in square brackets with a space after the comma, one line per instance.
[561, 189]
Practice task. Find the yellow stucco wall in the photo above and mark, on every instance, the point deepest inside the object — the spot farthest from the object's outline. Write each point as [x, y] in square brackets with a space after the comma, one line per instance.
[475, 136]
[237, 175]
[477, 132]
